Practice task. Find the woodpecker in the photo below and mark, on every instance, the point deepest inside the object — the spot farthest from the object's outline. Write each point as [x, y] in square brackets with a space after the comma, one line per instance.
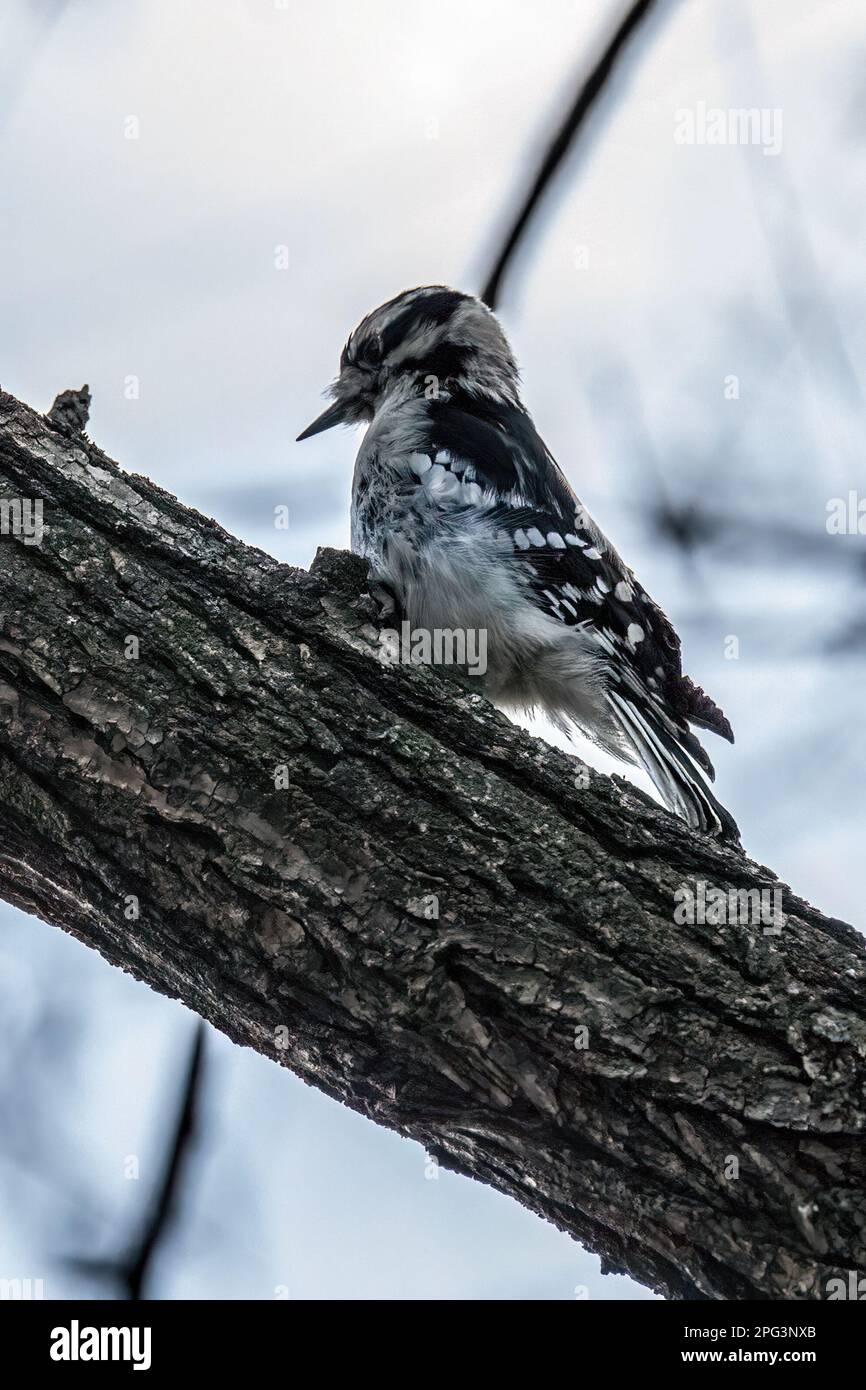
[469, 523]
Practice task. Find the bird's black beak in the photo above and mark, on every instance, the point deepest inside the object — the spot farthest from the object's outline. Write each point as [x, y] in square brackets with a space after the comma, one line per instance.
[334, 415]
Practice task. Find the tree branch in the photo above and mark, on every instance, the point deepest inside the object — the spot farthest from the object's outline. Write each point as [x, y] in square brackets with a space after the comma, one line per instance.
[585, 100]
[444, 923]
[131, 1270]
[135, 1266]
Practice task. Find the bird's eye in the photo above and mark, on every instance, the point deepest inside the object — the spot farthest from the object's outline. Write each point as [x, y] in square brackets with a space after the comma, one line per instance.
[372, 352]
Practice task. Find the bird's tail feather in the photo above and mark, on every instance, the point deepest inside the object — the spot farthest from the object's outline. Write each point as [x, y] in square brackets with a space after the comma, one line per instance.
[660, 751]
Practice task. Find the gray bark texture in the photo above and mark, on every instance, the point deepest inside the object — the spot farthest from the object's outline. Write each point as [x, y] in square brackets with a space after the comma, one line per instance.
[446, 924]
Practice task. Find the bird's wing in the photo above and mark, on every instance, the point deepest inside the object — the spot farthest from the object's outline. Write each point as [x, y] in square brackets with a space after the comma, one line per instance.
[574, 572]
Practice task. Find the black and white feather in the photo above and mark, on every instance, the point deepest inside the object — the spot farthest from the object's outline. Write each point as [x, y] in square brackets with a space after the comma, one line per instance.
[468, 521]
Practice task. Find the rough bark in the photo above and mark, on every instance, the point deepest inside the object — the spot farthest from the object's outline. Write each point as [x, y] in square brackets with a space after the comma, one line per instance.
[704, 1133]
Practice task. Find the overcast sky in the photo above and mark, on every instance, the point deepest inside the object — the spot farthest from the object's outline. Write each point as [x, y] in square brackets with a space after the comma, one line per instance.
[161, 161]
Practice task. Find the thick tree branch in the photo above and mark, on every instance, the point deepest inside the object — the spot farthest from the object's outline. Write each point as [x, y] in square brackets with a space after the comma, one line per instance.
[439, 920]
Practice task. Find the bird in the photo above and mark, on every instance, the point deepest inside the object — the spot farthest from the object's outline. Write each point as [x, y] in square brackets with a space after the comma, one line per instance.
[468, 523]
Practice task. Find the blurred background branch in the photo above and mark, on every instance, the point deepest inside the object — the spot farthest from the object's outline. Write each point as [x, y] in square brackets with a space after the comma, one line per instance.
[130, 1272]
[588, 94]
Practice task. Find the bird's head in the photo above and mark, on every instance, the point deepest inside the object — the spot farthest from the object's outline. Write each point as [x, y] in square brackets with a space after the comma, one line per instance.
[429, 341]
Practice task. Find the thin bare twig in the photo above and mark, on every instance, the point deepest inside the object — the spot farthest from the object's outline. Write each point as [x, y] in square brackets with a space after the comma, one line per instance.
[586, 98]
[132, 1268]
[136, 1266]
